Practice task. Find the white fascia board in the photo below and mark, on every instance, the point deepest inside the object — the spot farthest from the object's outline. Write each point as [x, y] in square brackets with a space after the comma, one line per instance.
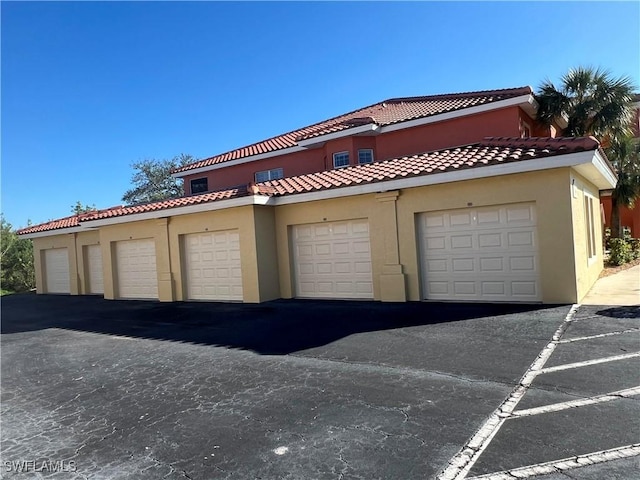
[348, 132]
[526, 101]
[558, 161]
[239, 161]
[52, 233]
[172, 212]
[598, 172]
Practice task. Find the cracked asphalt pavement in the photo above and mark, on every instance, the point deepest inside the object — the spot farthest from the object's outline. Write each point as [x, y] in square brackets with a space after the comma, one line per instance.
[284, 390]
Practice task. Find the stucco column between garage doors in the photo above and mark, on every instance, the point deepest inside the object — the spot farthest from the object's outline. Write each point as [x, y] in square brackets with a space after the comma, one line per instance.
[392, 280]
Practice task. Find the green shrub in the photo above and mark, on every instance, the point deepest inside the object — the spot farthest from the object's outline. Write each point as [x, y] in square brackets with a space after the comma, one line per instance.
[621, 251]
[634, 243]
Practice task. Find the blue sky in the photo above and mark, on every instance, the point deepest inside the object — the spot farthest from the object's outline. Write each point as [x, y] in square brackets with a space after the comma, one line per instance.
[88, 88]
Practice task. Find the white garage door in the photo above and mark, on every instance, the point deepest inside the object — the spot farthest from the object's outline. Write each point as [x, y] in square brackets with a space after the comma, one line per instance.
[56, 267]
[333, 260]
[94, 269]
[136, 264]
[213, 266]
[480, 254]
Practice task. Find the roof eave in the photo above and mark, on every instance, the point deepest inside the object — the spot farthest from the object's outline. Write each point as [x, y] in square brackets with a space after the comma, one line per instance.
[53, 232]
[527, 102]
[368, 129]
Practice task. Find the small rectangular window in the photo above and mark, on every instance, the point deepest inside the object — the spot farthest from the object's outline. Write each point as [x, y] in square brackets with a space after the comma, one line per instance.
[590, 227]
[365, 155]
[340, 159]
[199, 185]
[266, 175]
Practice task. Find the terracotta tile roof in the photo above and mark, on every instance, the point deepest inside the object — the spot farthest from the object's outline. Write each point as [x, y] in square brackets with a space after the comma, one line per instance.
[66, 222]
[75, 220]
[388, 112]
[235, 192]
[491, 151]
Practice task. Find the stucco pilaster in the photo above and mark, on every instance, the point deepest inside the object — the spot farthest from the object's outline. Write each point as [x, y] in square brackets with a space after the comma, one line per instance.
[166, 290]
[392, 279]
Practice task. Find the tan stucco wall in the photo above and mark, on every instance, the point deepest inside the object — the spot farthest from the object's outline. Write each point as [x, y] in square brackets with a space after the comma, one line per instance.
[265, 247]
[67, 241]
[82, 240]
[549, 189]
[239, 218]
[148, 229]
[332, 210]
[587, 270]
[267, 253]
[74, 243]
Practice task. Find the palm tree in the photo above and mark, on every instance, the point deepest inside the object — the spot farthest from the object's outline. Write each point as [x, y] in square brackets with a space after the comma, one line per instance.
[624, 154]
[594, 103]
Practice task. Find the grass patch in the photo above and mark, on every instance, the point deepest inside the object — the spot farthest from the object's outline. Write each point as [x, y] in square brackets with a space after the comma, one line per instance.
[4, 292]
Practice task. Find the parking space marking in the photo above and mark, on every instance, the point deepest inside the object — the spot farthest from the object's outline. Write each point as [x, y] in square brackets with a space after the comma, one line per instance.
[556, 407]
[591, 337]
[586, 363]
[460, 465]
[564, 464]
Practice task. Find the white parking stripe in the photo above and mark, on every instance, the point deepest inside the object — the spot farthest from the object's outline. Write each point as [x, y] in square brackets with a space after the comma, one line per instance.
[462, 462]
[556, 407]
[564, 464]
[586, 363]
[590, 337]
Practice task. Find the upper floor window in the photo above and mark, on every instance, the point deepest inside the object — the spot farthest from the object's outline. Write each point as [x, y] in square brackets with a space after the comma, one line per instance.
[525, 130]
[266, 175]
[340, 159]
[199, 185]
[365, 155]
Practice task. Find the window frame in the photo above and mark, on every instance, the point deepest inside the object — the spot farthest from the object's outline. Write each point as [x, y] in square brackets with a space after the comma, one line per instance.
[344, 153]
[206, 185]
[370, 151]
[272, 174]
[590, 228]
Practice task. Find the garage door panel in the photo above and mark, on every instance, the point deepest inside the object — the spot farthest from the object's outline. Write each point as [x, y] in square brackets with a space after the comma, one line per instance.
[517, 239]
[462, 241]
[520, 214]
[361, 247]
[213, 266]
[488, 217]
[492, 258]
[332, 260]
[488, 240]
[57, 276]
[360, 228]
[492, 264]
[436, 243]
[136, 269]
[460, 219]
[493, 288]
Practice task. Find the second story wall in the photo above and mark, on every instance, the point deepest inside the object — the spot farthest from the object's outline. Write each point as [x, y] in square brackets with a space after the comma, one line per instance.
[507, 122]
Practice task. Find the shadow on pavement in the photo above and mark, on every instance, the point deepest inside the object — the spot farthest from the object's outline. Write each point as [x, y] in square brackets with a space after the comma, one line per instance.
[620, 312]
[271, 328]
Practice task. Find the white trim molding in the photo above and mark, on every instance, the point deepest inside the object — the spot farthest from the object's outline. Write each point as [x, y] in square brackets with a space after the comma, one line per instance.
[175, 211]
[589, 164]
[57, 231]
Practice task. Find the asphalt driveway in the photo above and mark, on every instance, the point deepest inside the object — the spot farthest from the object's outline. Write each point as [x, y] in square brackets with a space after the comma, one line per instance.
[294, 389]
